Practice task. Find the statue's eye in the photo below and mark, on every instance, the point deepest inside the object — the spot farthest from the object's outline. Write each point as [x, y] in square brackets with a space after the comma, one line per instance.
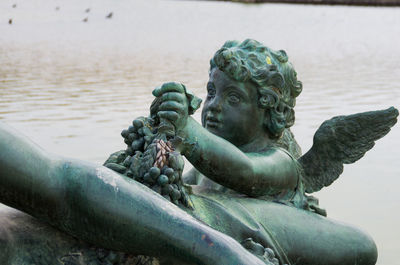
[233, 98]
[210, 92]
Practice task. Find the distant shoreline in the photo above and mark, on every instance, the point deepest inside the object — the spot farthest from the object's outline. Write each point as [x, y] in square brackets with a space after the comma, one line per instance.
[325, 2]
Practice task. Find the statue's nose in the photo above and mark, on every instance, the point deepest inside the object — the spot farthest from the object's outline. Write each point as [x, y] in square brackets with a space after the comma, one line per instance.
[215, 105]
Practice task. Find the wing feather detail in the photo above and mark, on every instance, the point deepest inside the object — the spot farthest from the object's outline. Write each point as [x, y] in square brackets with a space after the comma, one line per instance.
[343, 140]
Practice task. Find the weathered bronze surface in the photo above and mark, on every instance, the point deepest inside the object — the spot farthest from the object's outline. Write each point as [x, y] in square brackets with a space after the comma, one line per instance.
[244, 202]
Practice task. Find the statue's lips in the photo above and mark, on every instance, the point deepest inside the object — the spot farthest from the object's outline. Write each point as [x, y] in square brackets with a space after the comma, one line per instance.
[212, 122]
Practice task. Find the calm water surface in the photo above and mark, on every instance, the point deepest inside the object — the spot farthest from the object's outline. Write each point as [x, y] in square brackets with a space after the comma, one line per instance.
[73, 86]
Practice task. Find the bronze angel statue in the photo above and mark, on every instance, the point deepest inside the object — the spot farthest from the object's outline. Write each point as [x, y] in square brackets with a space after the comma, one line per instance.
[245, 201]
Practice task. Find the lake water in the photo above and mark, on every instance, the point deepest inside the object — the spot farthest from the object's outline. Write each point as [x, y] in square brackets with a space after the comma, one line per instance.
[72, 86]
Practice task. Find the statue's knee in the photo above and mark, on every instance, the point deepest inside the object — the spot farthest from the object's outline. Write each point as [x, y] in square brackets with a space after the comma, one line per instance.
[366, 250]
[370, 253]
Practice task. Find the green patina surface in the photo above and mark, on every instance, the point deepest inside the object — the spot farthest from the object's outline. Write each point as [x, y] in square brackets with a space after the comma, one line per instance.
[246, 200]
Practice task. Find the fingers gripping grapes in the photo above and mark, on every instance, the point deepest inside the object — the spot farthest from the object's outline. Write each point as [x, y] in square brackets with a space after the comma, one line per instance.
[174, 105]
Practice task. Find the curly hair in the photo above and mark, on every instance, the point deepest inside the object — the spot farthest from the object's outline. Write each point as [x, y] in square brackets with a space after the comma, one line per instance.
[274, 77]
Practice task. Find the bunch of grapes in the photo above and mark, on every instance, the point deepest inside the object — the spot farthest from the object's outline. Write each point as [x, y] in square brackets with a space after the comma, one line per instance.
[151, 160]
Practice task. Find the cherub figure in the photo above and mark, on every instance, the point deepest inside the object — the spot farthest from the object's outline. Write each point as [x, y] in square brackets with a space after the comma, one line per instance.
[247, 200]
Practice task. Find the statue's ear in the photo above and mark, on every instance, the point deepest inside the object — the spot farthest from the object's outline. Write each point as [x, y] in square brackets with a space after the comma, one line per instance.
[275, 122]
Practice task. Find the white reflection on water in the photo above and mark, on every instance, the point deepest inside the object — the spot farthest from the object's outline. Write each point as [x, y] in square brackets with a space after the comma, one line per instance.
[73, 86]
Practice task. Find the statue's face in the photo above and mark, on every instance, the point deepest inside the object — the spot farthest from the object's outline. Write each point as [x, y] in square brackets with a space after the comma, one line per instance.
[231, 110]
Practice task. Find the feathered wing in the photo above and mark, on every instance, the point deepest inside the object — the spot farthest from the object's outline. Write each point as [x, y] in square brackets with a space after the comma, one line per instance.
[343, 140]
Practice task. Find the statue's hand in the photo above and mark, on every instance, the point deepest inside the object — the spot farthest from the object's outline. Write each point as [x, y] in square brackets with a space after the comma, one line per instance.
[174, 105]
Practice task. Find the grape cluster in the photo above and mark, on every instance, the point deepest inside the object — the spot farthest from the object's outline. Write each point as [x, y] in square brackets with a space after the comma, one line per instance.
[151, 160]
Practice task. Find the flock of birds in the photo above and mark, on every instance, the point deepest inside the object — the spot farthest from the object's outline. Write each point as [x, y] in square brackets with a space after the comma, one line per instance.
[86, 19]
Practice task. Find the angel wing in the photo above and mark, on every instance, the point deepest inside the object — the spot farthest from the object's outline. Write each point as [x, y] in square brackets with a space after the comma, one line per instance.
[343, 140]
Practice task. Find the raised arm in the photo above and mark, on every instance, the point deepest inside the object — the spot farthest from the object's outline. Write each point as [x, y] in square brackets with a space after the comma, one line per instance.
[254, 174]
[259, 172]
